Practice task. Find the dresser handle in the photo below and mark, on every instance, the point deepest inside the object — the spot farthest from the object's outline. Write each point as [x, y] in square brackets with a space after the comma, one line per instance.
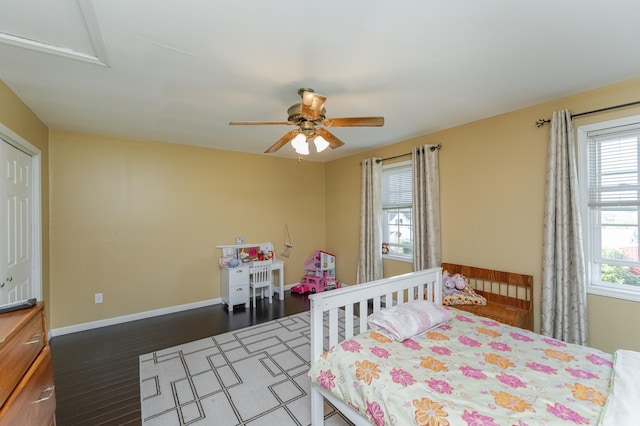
[36, 338]
[50, 390]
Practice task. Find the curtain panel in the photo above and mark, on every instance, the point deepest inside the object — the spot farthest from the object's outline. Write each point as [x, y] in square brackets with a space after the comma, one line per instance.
[370, 253]
[426, 207]
[564, 298]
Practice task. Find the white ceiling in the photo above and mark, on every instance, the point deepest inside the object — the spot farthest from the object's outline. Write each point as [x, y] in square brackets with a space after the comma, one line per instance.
[180, 70]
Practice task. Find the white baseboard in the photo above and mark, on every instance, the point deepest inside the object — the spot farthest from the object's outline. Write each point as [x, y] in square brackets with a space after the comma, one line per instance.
[140, 315]
[133, 317]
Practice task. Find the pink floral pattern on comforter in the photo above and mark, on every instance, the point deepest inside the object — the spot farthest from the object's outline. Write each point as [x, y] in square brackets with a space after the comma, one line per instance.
[470, 371]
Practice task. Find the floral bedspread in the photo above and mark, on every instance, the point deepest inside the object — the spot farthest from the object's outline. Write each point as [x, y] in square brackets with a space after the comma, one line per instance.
[469, 371]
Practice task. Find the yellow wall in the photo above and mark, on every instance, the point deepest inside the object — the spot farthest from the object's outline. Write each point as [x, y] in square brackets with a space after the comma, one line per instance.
[492, 184]
[15, 115]
[139, 221]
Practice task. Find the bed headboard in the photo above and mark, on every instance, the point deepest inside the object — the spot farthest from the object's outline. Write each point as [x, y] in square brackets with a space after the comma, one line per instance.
[506, 288]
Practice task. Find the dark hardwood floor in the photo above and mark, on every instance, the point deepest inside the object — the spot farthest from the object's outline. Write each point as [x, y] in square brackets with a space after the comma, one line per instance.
[96, 371]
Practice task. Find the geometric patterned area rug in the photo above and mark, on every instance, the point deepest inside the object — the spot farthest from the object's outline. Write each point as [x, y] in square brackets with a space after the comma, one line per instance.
[253, 376]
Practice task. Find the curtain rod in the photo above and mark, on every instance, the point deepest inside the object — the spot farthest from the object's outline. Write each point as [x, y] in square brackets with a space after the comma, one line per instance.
[433, 148]
[541, 122]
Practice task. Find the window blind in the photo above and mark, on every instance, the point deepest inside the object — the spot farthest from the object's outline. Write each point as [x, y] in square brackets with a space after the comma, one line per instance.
[397, 187]
[613, 169]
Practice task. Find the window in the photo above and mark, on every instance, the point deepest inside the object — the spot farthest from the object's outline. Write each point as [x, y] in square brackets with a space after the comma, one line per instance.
[397, 232]
[610, 198]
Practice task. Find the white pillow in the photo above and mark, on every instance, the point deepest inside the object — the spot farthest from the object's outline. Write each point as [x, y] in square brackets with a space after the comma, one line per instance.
[409, 319]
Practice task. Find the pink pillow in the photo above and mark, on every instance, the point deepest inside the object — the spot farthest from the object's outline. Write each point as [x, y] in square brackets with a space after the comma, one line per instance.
[409, 319]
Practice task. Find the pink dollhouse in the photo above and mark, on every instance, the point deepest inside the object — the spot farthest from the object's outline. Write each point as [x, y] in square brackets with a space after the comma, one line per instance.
[320, 274]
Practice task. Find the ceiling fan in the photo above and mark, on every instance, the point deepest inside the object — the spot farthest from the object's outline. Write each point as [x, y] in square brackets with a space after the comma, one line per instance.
[309, 116]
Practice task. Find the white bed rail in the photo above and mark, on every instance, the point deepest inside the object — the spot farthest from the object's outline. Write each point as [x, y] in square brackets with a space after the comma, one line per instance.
[420, 285]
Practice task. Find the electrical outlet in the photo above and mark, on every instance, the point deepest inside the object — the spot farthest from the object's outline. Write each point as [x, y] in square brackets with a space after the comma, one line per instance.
[98, 298]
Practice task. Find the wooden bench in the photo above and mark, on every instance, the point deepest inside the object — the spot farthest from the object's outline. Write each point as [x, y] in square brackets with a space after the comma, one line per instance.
[509, 295]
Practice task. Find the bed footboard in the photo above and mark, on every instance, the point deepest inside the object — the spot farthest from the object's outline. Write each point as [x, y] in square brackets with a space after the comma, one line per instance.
[353, 304]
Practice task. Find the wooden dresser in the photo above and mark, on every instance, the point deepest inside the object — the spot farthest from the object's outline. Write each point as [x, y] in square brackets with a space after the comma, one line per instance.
[27, 395]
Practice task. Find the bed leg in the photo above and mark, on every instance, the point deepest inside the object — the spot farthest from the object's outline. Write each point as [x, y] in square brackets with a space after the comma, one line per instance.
[317, 407]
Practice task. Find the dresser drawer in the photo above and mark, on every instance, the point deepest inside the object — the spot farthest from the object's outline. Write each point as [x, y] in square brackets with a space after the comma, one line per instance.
[33, 402]
[17, 354]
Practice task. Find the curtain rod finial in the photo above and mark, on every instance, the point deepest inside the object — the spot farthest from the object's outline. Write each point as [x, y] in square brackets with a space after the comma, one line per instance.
[541, 122]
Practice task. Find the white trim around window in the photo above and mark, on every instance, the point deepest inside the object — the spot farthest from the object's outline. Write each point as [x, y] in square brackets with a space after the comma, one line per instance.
[609, 176]
[399, 200]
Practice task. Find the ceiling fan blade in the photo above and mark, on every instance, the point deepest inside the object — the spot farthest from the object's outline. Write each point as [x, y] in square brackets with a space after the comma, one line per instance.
[283, 141]
[312, 105]
[354, 122]
[258, 123]
[329, 137]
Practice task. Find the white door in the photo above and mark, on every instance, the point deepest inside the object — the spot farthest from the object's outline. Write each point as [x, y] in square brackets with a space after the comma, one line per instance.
[16, 254]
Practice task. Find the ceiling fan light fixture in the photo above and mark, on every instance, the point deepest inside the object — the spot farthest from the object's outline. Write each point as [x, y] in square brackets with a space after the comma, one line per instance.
[303, 150]
[299, 143]
[320, 143]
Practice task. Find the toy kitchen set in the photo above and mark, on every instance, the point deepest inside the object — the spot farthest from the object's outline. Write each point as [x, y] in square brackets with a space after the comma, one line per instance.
[236, 268]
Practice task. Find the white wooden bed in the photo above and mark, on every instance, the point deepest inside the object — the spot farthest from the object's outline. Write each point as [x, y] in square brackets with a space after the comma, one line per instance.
[471, 369]
[375, 294]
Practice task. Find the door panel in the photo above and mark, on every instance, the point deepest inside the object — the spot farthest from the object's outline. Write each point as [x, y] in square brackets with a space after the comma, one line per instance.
[16, 281]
